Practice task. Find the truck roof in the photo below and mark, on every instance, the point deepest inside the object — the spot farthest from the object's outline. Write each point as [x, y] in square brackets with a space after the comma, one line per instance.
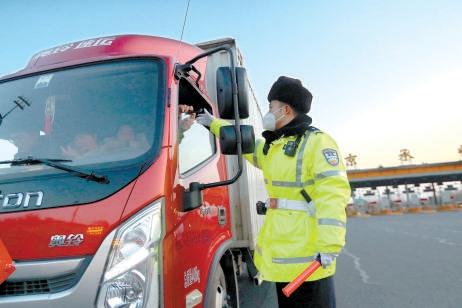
[105, 48]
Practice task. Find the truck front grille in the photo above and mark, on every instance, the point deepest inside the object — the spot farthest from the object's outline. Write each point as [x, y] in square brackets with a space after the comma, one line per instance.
[28, 282]
[24, 287]
[32, 287]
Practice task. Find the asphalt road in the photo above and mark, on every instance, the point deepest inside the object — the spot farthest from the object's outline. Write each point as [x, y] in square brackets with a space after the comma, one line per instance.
[412, 260]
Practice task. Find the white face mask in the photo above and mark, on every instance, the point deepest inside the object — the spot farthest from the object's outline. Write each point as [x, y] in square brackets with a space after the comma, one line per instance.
[269, 120]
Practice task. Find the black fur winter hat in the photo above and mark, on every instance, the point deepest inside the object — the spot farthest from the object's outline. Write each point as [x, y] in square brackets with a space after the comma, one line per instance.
[292, 92]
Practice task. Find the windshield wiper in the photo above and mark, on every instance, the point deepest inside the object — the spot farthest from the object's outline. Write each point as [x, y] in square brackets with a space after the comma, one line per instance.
[20, 103]
[57, 163]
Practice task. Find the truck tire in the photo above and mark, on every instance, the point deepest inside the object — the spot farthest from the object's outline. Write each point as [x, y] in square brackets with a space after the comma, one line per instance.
[219, 297]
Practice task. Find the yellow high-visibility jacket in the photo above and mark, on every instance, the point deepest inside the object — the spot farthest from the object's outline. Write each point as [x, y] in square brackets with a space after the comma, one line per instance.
[289, 240]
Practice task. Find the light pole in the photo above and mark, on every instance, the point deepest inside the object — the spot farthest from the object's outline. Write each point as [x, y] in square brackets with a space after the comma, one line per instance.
[351, 160]
[460, 150]
[405, 156]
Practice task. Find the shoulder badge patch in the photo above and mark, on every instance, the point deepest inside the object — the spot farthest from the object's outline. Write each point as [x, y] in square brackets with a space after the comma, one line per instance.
[331, 156]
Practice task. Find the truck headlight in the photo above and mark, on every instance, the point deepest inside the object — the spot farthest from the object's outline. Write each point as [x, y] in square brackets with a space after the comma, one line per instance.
[131, 278]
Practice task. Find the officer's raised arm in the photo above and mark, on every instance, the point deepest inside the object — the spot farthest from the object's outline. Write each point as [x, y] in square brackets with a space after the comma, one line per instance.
[206, 119]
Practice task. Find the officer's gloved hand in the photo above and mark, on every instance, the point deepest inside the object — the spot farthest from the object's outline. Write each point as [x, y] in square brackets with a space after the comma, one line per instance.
[205, 118]
[327, 259]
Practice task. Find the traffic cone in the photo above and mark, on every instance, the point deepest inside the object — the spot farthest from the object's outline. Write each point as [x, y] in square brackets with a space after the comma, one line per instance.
[414, 210]
[386, 212]
[446, 208]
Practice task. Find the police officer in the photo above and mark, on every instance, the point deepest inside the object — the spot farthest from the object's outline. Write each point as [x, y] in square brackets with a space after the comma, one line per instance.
[308, 188]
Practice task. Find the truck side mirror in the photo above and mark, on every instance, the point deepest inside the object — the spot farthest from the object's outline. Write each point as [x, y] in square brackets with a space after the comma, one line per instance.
[228, 139]
[225, 93]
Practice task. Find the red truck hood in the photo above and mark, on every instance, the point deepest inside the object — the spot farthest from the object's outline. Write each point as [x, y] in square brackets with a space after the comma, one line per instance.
[38, 234]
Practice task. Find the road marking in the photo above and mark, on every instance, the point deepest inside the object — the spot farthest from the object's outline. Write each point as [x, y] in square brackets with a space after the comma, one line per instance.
[453, 231]
[356, 260]
[440, 240]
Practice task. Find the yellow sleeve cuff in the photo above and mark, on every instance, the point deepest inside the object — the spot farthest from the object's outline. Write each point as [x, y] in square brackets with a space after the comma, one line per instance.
[216, 125]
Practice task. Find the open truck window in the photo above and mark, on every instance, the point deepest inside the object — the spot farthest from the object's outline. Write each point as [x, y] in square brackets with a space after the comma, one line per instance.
[196, 143]
[95, 114]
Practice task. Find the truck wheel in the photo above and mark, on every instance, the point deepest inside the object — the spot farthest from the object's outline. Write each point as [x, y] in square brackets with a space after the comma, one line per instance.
[219, 297]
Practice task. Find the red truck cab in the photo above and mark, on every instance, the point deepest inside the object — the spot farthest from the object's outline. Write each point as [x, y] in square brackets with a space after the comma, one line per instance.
[96, 157]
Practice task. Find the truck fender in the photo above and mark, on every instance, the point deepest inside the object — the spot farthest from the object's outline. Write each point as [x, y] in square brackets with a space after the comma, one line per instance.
[224, 257]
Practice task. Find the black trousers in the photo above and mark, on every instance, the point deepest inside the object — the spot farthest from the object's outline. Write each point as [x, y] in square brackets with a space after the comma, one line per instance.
[319, 294]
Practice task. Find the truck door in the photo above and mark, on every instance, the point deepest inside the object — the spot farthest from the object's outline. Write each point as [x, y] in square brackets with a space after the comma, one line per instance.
[202, 230]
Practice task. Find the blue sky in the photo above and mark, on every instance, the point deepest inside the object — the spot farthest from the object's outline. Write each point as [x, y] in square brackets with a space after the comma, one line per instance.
[384, 74]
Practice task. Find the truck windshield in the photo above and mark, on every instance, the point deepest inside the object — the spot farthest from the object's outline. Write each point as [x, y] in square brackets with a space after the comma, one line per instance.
[94, 114]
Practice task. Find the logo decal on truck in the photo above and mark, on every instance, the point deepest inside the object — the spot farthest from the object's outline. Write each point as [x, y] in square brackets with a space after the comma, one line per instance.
[191, 276]
[103, 41]
[14, 201]
[66, 240]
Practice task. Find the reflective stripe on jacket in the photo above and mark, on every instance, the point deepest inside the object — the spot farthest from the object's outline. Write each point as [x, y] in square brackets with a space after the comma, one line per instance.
[289, 239]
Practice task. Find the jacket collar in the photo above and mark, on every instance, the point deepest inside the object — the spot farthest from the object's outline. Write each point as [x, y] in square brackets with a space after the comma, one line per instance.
[298, 126]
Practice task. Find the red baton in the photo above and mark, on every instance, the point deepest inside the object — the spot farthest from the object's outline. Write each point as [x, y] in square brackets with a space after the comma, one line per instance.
[294, 284]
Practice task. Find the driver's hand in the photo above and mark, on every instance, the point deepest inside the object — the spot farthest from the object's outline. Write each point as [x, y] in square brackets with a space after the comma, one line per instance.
[187, 122]
[185, 108]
